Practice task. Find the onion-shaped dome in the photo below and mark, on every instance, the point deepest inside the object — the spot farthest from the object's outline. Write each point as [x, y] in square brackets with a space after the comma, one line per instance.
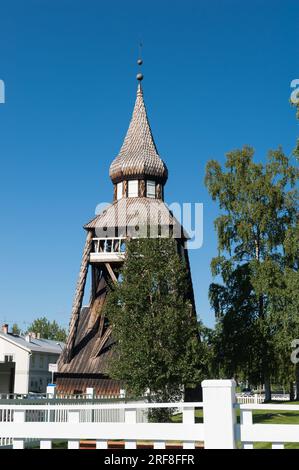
[138, 157]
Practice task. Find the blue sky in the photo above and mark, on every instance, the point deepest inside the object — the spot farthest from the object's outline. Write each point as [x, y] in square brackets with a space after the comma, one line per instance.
[217, 76]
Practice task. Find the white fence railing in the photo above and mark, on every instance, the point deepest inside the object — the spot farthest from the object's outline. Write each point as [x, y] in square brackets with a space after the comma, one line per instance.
[72, 422]
[58, 413]
[278, 434]
[86, 422]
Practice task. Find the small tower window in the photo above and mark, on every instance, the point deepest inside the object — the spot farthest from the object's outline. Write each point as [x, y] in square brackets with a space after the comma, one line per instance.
[151, 189]
[133, 188]
[119, 193]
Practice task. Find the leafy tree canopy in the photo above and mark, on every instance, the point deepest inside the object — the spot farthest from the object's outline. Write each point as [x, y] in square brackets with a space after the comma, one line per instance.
[47, 329]
[154, 324]
[16, 330]
[256, 242]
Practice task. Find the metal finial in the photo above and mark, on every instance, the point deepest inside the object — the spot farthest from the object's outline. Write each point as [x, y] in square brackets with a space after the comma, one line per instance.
[139, 76]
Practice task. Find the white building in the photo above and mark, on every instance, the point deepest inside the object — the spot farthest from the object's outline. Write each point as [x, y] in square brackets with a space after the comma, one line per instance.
[24, 362]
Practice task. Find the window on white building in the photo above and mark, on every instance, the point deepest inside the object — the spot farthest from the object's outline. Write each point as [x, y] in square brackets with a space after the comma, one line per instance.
[119, 190]
[8, 358]
[151, 189]
[133, 188]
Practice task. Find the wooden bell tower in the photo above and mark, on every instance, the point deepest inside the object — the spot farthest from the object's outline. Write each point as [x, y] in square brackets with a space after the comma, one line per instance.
[138, 175]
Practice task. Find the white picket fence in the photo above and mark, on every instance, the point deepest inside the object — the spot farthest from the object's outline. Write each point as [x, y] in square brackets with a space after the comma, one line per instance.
[75, 422]
[244, 399]
[258, 398]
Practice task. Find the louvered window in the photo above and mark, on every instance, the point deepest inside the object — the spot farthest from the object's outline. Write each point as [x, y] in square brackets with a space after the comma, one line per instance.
[133, 188]
[119, 190]
[150, 189]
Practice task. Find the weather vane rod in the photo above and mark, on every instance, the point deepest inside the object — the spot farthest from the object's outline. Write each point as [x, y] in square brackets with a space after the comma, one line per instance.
[140, 62]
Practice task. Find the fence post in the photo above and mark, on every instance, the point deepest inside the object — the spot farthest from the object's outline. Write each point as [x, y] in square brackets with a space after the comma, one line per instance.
[90, 396]
[44, 444]
[130, 418]
[51, 391]
[246, 419]
[219, 414]
[101, 444]
[90, 392]
[18, 417]
[74, 418]
[188, 418]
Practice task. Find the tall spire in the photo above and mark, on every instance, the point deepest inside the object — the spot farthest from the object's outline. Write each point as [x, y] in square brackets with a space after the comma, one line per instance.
[138, 157]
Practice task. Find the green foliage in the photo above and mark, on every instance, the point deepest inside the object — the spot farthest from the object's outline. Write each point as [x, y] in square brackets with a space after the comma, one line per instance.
[210, 363]
[296, 151]
[47, 329]
[154, 324]
[16, 330]
[284, 307]
[256, 241]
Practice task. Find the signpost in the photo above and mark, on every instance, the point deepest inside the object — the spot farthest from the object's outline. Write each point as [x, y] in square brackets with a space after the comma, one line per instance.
[53, 368]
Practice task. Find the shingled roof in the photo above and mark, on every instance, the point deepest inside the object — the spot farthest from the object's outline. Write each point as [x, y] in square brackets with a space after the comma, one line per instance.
[138, 156]
[129, 213]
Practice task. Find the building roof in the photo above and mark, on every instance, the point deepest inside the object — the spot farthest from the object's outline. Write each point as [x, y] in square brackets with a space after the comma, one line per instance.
[37, 345]
[129, 213]
[138, 157]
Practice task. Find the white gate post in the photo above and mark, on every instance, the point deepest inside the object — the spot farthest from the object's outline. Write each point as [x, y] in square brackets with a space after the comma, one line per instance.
[219, 414]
